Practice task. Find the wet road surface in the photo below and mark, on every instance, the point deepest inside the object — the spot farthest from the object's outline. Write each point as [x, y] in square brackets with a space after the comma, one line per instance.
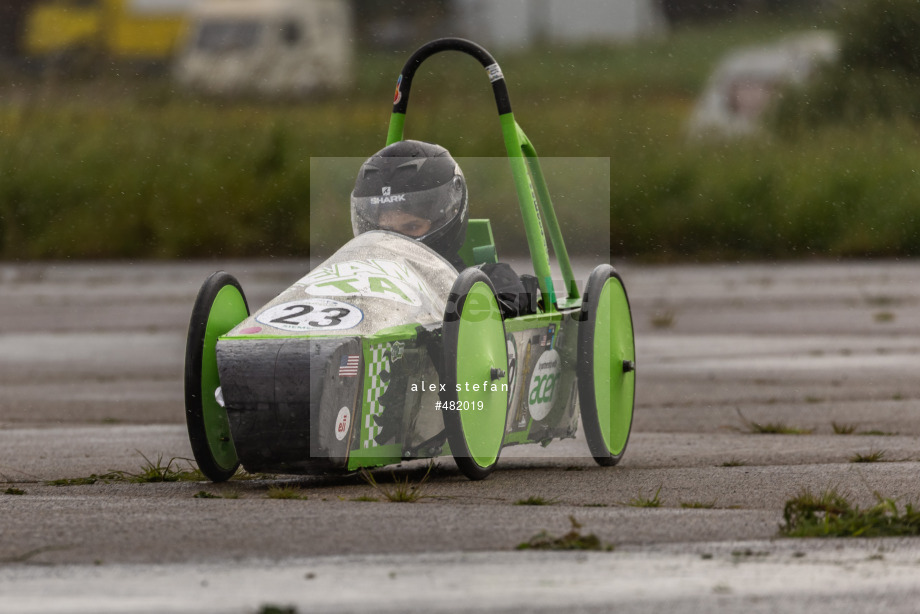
[91, 362]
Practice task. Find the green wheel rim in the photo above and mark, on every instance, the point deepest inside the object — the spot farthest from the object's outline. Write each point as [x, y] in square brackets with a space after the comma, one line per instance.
[220, 306]
[228, 310]
[606, 366]
[475, 358]
[613, 347]
[481, 346]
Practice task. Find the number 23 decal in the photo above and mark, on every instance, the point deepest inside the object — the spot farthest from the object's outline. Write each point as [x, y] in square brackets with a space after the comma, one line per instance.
[312, 314]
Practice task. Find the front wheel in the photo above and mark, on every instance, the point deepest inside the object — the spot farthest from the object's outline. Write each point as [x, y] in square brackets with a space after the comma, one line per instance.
[475, 403]
[220, 306]
[606, 365]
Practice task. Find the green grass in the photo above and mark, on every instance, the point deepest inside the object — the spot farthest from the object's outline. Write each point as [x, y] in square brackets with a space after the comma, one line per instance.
[83, 481]
[643, 501]
[157, 471]
[203, 494]
[884, 317]
[285, 492]
[772, 428]
[151, 471]
[14, 491]
[662, 319]
[400, 491]
[698, 505]
[144, 172]
[875, 456]
[573, 540]
[777, 428]
[843, 429]
[535, 500]
[831, 514]
[734, 462]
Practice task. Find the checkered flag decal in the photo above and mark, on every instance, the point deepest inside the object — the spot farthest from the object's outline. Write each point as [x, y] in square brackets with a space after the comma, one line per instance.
[379, 362]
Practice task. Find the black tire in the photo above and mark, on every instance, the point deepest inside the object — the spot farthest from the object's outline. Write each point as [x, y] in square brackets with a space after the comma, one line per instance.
[220, 306]
[474, 351]
[606, 366]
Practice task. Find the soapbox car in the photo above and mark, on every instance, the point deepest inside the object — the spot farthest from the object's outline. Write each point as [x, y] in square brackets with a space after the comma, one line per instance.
[385, 353]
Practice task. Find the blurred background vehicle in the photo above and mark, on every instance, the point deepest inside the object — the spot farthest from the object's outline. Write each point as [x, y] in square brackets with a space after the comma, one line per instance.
[267, 47]
[75, 35]
[749, 80]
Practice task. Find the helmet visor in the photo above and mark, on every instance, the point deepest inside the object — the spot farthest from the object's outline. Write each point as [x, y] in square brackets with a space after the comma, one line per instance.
[416, 214]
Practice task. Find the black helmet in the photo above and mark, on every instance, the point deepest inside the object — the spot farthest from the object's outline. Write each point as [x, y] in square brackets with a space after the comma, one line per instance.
[416, 189]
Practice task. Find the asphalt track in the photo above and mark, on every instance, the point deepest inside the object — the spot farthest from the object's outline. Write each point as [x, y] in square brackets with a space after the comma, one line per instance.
[91, 382]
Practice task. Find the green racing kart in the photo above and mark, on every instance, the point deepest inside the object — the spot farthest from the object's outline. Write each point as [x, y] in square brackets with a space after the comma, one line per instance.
[384, 353]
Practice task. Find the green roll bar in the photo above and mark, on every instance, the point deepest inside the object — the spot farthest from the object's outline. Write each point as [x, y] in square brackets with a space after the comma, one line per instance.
[529, 182]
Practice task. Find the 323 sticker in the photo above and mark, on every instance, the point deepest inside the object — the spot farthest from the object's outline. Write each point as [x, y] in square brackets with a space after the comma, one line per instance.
[312, 314]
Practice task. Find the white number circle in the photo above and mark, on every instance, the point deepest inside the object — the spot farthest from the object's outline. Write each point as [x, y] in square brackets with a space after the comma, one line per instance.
[312, 314]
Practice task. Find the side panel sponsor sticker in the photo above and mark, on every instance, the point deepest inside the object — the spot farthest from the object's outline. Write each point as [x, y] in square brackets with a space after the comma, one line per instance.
[342, 423]
[542, 389]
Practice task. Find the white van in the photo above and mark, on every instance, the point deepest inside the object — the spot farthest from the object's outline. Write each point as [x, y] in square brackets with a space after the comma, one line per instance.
[267, 47]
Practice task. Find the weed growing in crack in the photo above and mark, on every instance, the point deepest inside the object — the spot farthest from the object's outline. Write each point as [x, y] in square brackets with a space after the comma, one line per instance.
[772, 428]
[874, 456]
[402, 491]
[643, 501]
[285, 492]
[843, 429]
[698, 505]
[150, 472]
[573, 540]
[831, 514]
[534, 500]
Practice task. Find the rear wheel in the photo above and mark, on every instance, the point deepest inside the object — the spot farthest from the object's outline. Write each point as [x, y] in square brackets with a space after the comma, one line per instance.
[606, 365]
[475, 403]
[220, 306]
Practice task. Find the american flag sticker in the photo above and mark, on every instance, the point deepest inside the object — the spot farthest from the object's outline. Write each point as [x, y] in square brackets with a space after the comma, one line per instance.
[348, 367]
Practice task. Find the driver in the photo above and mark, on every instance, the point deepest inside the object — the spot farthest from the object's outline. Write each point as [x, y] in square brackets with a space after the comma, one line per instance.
[418, 190]
[415, 189]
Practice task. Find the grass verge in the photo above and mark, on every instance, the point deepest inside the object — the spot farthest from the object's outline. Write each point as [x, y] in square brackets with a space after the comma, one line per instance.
[147, 172]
